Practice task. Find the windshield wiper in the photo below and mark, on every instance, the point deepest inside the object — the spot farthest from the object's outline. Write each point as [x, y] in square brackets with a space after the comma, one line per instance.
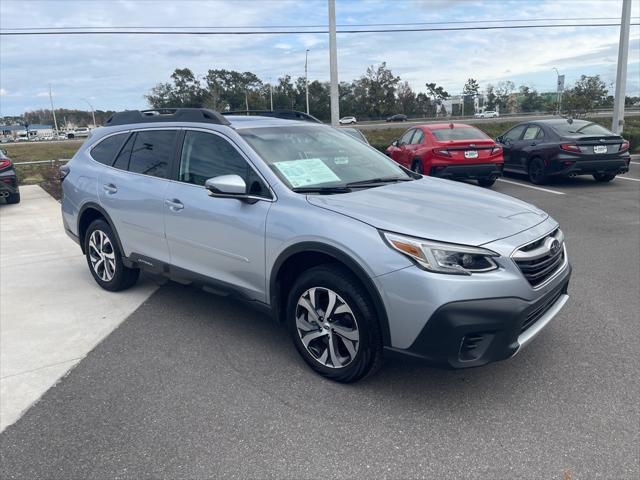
[322, 190]
[377, 181]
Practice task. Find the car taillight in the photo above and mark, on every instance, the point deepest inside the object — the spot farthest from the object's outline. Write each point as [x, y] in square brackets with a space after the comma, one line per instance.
[64, 171]
[570, 147]
[5, 163]
[443, 152]
[496, 150]
[624, 146]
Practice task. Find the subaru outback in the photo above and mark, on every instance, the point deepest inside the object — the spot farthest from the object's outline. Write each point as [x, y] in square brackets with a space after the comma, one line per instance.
[355, 254]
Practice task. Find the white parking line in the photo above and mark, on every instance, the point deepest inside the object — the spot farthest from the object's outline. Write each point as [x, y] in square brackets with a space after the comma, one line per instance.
[629, 178]
[635, 163]
[530, 186]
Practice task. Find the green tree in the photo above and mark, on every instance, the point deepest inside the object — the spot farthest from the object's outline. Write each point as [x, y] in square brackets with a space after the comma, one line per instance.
[587, 94]
[184, 91]
[491, 98]
[530, 100]
[379, 87]
[503, 91]
[407, 101]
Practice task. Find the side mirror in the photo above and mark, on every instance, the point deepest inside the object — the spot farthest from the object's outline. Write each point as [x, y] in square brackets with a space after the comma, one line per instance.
[394, 143]
[229, 186]
[499, 139]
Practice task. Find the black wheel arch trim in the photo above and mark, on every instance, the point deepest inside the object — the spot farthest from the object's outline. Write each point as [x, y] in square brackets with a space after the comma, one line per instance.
[102, 211]
[345, 259]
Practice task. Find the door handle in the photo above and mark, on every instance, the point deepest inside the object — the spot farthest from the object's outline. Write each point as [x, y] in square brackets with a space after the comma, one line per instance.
[174, 204]
[533, 144]
[109, 188]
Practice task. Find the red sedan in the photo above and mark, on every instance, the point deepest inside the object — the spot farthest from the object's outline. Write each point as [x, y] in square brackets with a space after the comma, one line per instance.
[449, 150]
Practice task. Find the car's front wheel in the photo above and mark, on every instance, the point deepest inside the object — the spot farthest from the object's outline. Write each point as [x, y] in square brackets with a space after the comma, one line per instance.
[105, 258]
[333, 324]
[604, 177]
[417, 166]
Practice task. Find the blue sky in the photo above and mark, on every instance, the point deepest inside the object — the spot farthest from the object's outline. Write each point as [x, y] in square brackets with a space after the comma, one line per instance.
[114, 72]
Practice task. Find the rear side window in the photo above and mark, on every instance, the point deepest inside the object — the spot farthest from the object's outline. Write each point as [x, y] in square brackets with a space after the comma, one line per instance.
[122, 162]
[152, 152]
[464, 133]
[105, 152]
[532, 132]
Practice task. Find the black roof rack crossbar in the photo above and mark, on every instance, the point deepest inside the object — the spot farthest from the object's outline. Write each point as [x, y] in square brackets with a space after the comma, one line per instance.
[284, 114]
[200, 115]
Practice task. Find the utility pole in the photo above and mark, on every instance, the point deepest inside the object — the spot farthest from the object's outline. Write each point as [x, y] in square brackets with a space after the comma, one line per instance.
[246, 101]
[53, 111]
[93, 113]
[306, 78]
[621, 73]
[271, 93]
[333, 64]
[559, 90]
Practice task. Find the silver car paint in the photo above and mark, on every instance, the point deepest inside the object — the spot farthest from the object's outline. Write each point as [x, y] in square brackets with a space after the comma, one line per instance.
[240, 243]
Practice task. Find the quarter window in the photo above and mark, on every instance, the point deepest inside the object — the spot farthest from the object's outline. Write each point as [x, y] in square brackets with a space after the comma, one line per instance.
[206, 155]
[105, 152]
[152, 152]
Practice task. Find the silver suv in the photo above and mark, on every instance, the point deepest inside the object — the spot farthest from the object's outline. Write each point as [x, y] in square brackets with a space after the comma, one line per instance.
[354, 254]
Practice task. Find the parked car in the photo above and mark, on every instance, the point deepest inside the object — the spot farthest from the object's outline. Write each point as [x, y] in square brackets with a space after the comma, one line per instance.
[81, 132]
[487, 114]
[9, 189]
[355, 133]
[348, 120]
[399, 117]
[449, 150]
[351, 252]
[564, 147]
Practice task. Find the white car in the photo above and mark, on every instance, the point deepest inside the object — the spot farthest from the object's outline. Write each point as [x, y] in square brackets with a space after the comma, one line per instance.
[80, 132]
[487, 114]
[348, 120]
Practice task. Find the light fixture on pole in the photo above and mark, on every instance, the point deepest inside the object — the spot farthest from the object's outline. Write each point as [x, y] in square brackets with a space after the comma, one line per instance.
[559, 89]
[306, 78]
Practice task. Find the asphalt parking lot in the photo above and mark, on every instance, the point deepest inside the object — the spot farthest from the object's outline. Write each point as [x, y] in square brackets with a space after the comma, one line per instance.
[192, 385]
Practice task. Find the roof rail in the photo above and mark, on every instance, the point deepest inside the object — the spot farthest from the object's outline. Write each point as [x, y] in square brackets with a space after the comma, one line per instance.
[200, 115]
[284, 114]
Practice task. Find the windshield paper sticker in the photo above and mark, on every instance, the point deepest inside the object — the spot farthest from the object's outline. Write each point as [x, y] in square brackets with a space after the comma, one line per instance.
[311, 171]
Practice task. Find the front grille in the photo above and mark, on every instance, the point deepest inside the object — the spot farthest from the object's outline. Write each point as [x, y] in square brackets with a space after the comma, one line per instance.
[540, 260]
[534, 315]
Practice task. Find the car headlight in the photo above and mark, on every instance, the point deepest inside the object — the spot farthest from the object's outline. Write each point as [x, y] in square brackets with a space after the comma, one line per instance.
[443, 257]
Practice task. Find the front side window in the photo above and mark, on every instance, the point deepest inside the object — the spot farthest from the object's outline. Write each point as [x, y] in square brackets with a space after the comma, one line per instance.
[152, 152]
[315, 155]
[406, 138]
[514, 134]
[418, 137]
[206, 155]
[105, 152]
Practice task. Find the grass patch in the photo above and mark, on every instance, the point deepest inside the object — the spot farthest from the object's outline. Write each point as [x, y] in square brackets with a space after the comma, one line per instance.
[32, 151]
[381, 138]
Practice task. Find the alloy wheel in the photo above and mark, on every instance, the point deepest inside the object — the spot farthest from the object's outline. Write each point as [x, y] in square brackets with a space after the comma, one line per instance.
[327, 327]
[102, 255]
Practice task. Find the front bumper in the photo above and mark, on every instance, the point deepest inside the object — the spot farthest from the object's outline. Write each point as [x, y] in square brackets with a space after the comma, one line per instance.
[467, 171]
[476, 332]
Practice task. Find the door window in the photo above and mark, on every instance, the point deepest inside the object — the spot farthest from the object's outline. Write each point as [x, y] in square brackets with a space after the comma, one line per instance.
[152, 152]
[105, 152]
[205, 155]
[531, 133]
[514, 134]
[418, 137]
[406, 138]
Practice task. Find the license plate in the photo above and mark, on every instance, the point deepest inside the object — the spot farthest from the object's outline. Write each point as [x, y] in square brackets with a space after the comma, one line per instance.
[470, 154]
[600, 149]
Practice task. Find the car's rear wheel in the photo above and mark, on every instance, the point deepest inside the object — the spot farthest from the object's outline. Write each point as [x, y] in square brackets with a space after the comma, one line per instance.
[417, 166]
[13, 198]
[536, 171]
[333, 324]
[105, 258]
[604, 177]
[486, 182]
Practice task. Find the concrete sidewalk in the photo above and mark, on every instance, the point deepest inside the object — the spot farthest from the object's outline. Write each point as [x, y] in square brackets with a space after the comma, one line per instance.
[52, 313]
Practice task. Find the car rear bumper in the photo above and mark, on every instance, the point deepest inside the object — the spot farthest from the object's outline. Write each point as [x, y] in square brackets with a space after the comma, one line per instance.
[8, 183]
[571, 166]
[472, 333]
[469, 171]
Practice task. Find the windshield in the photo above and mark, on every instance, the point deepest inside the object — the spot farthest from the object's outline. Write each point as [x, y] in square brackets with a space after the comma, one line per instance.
[319, 156]
[580, 127]
[458, 133]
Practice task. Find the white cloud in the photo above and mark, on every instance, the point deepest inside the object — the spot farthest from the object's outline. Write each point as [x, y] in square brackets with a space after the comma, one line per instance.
[3, 92]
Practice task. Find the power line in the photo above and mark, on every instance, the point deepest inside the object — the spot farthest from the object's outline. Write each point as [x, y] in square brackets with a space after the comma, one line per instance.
[321, 26]
[289, 32]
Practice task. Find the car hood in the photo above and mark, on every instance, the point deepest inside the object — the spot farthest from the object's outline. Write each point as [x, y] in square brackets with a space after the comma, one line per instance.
[436, 209]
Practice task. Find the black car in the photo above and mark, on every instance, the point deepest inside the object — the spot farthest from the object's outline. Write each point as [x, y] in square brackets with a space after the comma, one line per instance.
[399, 117]
[8, 180]
[564, 147]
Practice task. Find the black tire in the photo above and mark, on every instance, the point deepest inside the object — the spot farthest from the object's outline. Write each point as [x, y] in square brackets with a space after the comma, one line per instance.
[123, 277]
[604, 177]
[486, 182]
[536, 171]
[13, 198]
[368, 356]
[417, 166]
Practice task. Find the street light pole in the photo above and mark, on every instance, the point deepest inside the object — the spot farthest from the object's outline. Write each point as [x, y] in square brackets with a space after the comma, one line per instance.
[93, 113]
[559, 88]
[271, 93]
[621, 73]
[53, 111]
[306, 77]
[333, 64]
